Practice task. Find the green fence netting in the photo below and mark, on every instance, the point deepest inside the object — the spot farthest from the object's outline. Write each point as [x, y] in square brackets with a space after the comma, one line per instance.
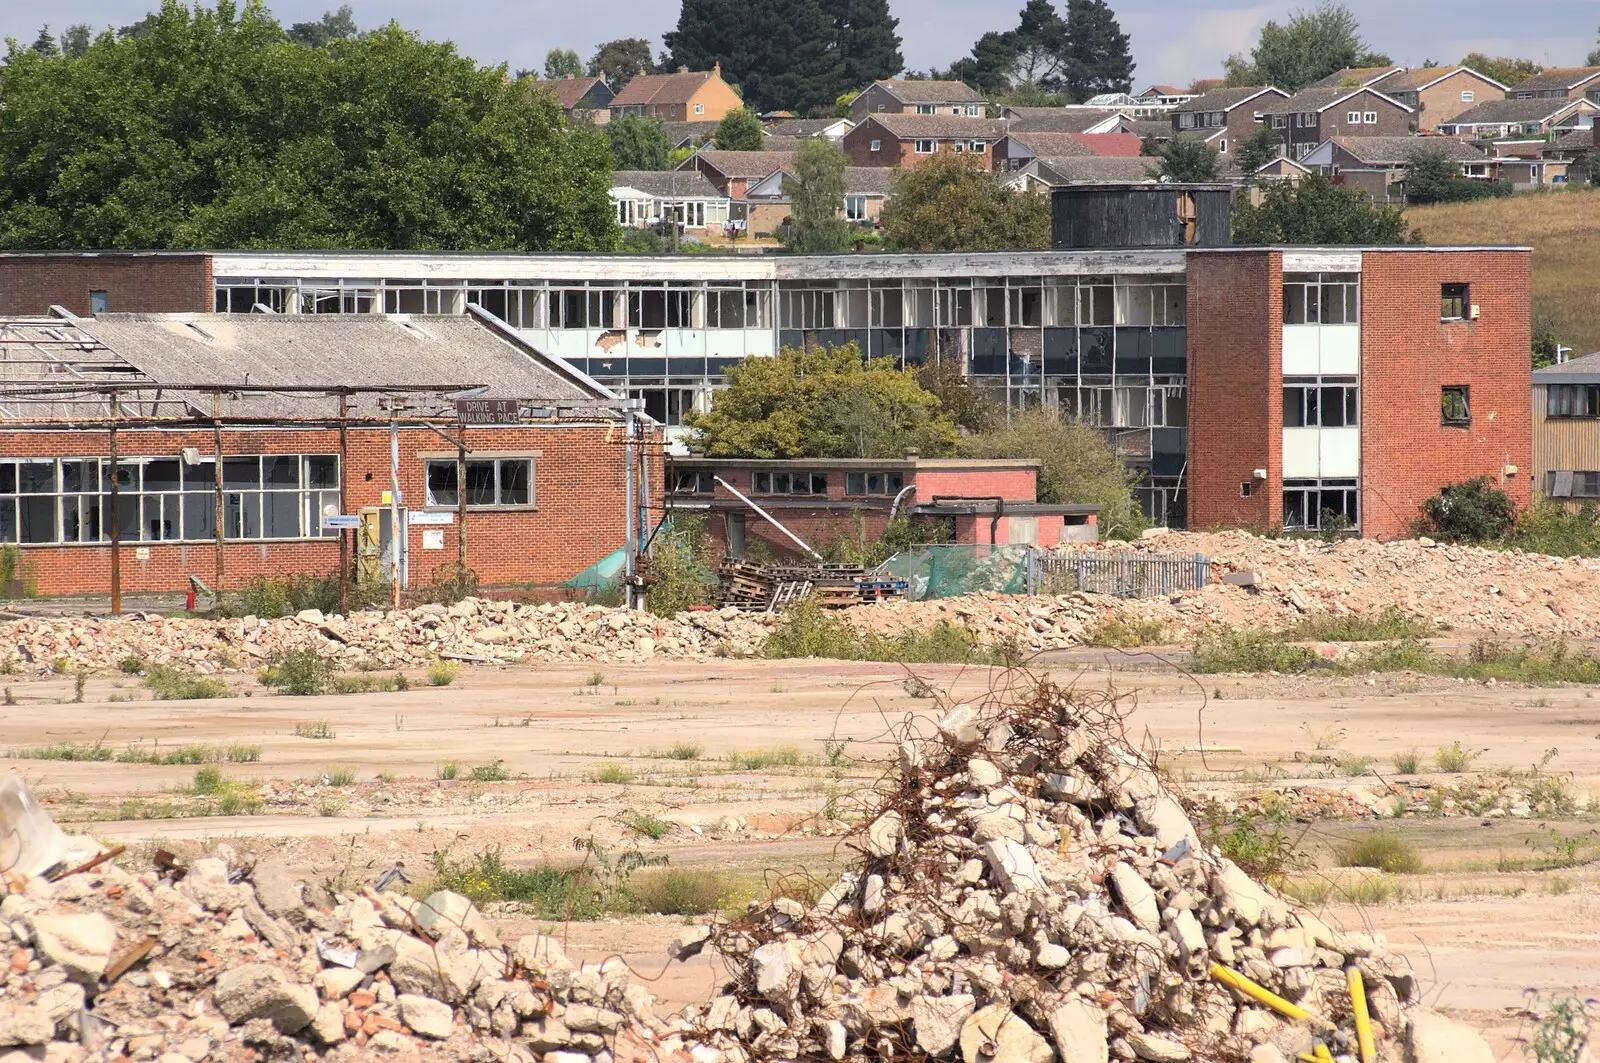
[953, 570]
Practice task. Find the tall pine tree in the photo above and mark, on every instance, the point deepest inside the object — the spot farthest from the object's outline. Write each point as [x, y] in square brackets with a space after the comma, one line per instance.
[1082, 55]
[867, 44]
[1097, 58]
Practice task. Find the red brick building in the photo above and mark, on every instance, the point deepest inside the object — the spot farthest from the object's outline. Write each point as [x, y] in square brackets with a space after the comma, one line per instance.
[91, 282]
[829, 499]
[1353, 384]
[545, 478]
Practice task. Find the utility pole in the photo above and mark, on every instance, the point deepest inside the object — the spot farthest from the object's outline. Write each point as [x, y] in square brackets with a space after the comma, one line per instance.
[116, 518]
[217, 510]
[631, 541]
[397, 536]
[461, 504]
[344, 476]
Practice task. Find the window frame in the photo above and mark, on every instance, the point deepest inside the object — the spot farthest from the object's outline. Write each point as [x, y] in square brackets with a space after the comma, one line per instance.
[1572, 401]
[855, 208]
[880, 483]
[876, 145]
[1448, 393]
[767, 481]
[433, 500]
[1348, 490]
[1468, 95]
[1353, 117]
[1369, 117]
[931, 142]
[1455, 294]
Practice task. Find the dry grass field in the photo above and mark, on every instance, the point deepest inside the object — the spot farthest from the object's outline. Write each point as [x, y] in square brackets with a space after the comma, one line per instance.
[1563, 228]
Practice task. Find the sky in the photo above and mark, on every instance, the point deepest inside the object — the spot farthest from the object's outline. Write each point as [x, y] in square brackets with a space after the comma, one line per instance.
[1174, 41]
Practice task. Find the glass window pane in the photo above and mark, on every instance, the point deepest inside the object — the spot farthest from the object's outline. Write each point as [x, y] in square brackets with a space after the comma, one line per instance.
[79, 475]
[8, 479]
[480, 483]
[442, 483]
[1294, 408]
[322, 471]
[36, 517]
[36, 477]
[161, 475]
[514, 483]
[8, 520]
[281, 514]
[198, 513]
[239, 473]
[203, 474]
[281, 471]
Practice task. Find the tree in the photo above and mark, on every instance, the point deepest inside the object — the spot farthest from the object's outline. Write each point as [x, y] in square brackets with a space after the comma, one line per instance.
[44, 45]
[867, 44]
[1097, 57]
[988, 69]
[740, 130]
[1593, 58]
[1076, 465]
[1434, 176]
[821, 403]
[816, 195]
[561, 63]
[1473, 511]
[75, 39]
[332, 26]
[207, 127]
[1312, 45]
[1317, 211]
[949, 202]
[1257, 149]
[1509, 72]
[1185, 158]
[637, 143]
[620, 61]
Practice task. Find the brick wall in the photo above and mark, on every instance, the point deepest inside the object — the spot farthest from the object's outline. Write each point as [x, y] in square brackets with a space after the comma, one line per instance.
[577, 518]
[1442, 102]
[857, 146]
[1408, 354]
[1235, 388]
[140, 282]
[1013, 485]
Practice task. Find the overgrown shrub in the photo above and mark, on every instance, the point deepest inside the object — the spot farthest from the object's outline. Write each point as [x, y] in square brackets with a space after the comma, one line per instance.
[1390, 623]
[171, 684]
[299, 673]
[1548, 527]
[1382, 850]
[1474, 511]
[808, 631]
[679, 567]
[1231, 649]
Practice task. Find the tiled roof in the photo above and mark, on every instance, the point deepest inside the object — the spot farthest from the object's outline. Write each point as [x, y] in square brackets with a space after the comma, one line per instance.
[772, 143]
[1491, 112]
[1056, 119]
[1311, 100]
[1142, 129]
[908, 126]
[1577, 140]
[931, 91]
[1400, 150]
[1163, 90]
[681, 132]
[1225, 99]
[1422, 76]
[662, 89]
[753, 165]
[677, 184]
[868, 180]
[1056, 144]
[569, 91]
[800, 127]
[1096, 170]
[1354, 77]
[1563, 78]
[1109, 145]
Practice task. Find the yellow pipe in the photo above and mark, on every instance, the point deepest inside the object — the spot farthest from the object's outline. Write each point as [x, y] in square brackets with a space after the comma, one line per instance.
[1236, 981]
[1358, 1004]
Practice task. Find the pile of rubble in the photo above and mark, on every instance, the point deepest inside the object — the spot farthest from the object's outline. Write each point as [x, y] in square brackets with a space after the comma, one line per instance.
[1029, 890]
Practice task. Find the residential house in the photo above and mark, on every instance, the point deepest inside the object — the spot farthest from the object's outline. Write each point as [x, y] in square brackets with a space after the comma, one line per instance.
[772, 143]
[1042, 173]
[586, 95]
[1076, 119]
[831, 129]
[1538, 119]
[1311, 116]
[1356, 77]
[1159, 131]
[1573, 83]
[896, 96]
[732, 172]
[767, 202]
[907, 139]
[1015, 150]
[1126, 103]
[648, 197]
[1439, 93]
[687, 96]
[1163, 97]
[1377, 165]
[1566, 431]
[1225, 116]
[689, 134]
[1576, 150]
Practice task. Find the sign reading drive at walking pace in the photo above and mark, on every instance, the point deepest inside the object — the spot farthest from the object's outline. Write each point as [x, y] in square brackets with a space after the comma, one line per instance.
[424, 517]
[341, 520]
[489, 411]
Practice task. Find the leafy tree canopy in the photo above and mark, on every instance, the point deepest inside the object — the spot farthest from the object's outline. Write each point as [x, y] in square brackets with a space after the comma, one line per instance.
[1257, 149]
[740, 130]
[1186, 159]
[821, 403]
[210, 128]
[794, 55]
[817, 197]
[1593, 58]
[1314, 210]
[1509, 72]
[950, 202]
[621, 61]
[1309, 47]
[562, 62]
[638, 143]
[1434, 176]
[1077, 56]
[332, 26]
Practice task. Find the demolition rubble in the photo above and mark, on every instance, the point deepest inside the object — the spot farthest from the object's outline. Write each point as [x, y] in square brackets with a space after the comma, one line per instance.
[1026, 889]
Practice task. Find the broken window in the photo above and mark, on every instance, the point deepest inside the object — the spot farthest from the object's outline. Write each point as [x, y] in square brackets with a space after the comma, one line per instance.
[1311, 405]
[1027, 306]
[1321, 298]
[873, 483]
[490, 482]
[789, 483]
[1320, 504]
[804, 307]
[1454, 299]
[666, 405]
[885, 306]
[693, 482]
[1454, 405]
[1572, 400]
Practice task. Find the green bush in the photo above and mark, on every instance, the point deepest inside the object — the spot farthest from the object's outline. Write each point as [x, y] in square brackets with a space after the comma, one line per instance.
[1548, 527]
[1257, 843]
[808, 631]
[675, 892]
[1391, 623]
[443, 673]
[679, 568]
[1230, 649]
[299, 673]
[170, 684]
[1452, 759]
[494, 771]
[1474, 511]
[1408, 761]
[551, 892]
[131, 665]
[1382, 850]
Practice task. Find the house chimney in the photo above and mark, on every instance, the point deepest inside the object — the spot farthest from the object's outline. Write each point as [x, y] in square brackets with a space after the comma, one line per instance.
[716, 69]
[569, 77]
[683, 70]
[912, 453]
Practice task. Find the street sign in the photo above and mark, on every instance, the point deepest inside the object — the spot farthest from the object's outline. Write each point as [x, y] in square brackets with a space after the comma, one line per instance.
[341, 520]
[447, 517]
[489, 411]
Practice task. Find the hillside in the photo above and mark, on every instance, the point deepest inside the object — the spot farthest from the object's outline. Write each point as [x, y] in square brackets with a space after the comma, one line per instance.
[1563, 228]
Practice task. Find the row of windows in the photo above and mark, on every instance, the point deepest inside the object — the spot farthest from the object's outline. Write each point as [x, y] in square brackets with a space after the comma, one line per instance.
[1321, 298]
[1572, 400]
[1321, 406]
[929, 147]
[490, 482]
[1126, 406]
[1313, 504]
[702, 482]
[47, 501]
[971, 110]
[1572, 484]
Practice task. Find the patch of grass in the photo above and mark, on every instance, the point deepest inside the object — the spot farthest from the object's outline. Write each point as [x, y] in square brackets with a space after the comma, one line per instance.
[62, 751]
[386, 776]
[494, 771]
[1408, 761]
[320, 730]
[1231, 649]
[682, 751]
[1259, 844]
[208, 782]
[612, 772]
[348, 683]
[1382, 850]
[171, 684]
[758, 759]
[243, 753]
[340, 776]
[643, 824]
[556, 893]
[299, 673]
[447, 771]
[1124, 634]
[443, 673]
[1387, 625]
[99, 752]
[329, 807]
[595, 679]
[1365, 892]
[807, 631]
[674, 891]
[1452, 759]
[1357, 765]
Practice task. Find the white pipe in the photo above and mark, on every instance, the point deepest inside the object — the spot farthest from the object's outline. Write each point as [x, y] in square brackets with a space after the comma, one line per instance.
[770, 519]
[894, 507]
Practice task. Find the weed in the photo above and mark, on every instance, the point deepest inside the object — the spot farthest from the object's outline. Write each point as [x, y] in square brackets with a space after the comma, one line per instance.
[62, 751]
[10, 698]
[443, 673]
[551, 892]
[1560, 884]
[683, 751]
[612, 772]
[234, 802]
[777, 688]
[917, 688]
[362, 684]
[677, 892]
[1390, 624]
[170, 684]
[208, 782]
[595, 679]
[806, 631]
[321, 730]
[757, 759]
[1562, 1033]
[329, 807]
[1231, 649]
[494, 771]
[1382, 850]
[1453, 760]
[1258, 844]
[1330, 738]
[447, 771]
[1408, 761]
[339, 777]
[401, 682]
[242, 753]
[643, 824]
[80, 682]
[299, 673]
[1113, 633]
[1356, 766]
[131, 665]
[386, 776]
[60, 666]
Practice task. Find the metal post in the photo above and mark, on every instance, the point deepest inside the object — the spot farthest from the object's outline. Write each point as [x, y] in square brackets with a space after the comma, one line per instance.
[116, 521]
[630, 543]
[216, 431]
[396, 538]
[461, 505]
[344, 506]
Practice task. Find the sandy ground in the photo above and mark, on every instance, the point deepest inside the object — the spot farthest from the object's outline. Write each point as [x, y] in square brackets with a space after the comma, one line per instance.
[1479, 938]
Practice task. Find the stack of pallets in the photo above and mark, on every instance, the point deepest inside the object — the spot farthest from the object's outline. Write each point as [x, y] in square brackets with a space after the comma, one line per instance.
[769, 588]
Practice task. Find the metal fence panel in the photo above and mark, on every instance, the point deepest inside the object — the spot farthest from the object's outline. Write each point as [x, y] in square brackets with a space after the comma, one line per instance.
[1124, 575]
